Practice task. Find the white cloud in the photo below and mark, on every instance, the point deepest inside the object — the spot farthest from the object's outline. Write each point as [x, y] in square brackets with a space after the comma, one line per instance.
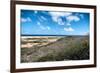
[72, 18]
[38, 23]
[43, 18]
[28, 19]
[69, 29]
[43, 27]
[23, 20]
[68, 24]
[81, 15]
[60, 21]
[48, 28]
[35, 12]
[56, 16]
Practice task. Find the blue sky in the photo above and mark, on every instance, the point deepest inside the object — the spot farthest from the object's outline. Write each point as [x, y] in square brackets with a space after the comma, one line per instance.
[35, 22]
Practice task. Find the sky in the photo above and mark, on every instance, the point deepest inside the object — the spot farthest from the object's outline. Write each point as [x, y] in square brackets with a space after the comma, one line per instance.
[34, 22]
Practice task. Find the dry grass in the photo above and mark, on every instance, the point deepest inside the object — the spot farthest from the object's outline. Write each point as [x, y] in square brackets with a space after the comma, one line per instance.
[67, 48]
